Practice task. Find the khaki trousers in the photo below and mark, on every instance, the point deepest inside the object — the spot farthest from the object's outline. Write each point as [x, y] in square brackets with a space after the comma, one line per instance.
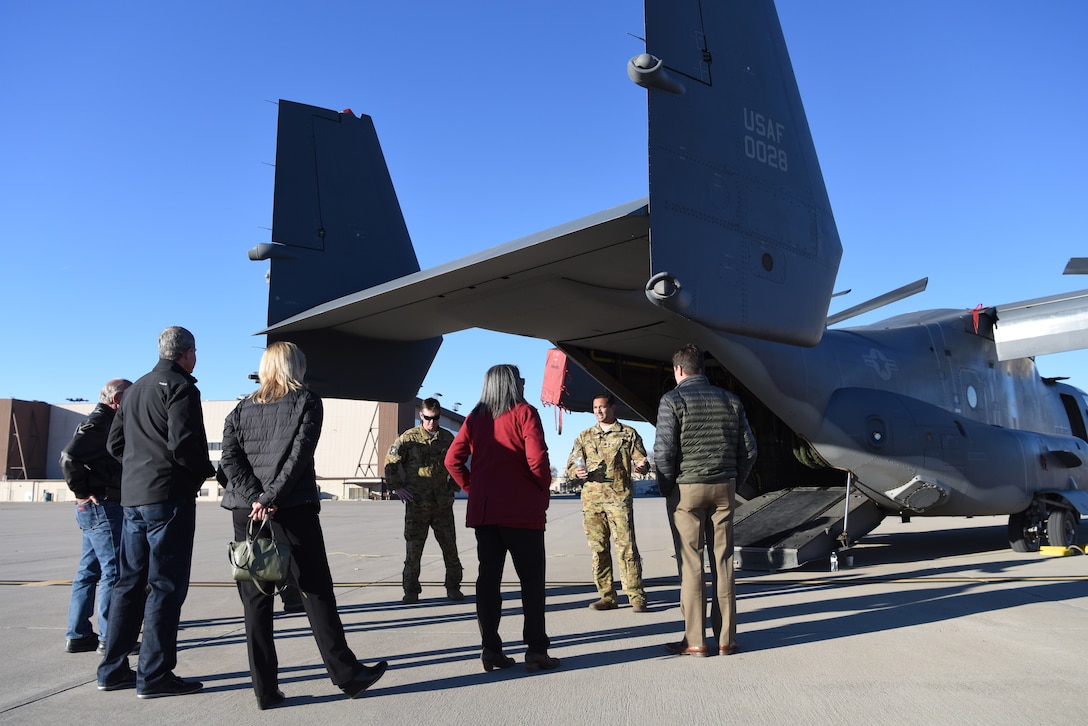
[701, 506]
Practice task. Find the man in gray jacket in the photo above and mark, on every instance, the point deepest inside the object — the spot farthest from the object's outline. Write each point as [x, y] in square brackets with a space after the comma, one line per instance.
[703, 450]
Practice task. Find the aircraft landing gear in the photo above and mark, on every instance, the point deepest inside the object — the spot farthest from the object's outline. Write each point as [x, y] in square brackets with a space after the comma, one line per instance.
[1061, 528]
[1058, 524]
[1026, 528]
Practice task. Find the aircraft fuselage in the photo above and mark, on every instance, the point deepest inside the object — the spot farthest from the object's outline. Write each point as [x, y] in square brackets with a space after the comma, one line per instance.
[920, 410]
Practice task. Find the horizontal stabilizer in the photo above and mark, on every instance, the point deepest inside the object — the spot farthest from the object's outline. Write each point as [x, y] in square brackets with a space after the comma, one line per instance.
[538, 286]
[1053, 324]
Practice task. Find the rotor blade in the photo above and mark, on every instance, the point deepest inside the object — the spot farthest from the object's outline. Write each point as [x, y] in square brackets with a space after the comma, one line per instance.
[1076, 266]
[1052, 324]
[878, 302]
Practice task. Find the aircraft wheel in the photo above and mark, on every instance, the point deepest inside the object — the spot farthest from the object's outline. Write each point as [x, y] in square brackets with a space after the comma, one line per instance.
[1061, 528]
[1025, 530]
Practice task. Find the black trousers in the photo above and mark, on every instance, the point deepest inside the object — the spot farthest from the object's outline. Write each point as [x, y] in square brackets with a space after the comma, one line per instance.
[301, 528]
[526, 548]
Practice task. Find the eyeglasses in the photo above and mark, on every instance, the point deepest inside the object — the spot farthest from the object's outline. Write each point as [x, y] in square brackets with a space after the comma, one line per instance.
[425, 417]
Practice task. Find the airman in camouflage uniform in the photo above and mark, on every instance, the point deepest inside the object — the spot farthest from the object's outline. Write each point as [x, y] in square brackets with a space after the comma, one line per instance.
[603, 457]
[415, 469]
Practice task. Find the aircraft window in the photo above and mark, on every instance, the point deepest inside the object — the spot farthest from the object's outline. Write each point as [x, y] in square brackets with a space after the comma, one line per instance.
[973, 388]
[1076, 420]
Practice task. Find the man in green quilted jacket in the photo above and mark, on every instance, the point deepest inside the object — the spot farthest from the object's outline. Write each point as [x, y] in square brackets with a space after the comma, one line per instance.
[703, 449]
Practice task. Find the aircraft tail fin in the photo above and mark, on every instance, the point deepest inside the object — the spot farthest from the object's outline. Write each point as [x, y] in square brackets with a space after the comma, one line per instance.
[742, 238]
[337, 228]
[336, 222]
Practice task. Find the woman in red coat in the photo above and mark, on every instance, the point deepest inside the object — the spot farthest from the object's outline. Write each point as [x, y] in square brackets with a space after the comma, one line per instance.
[508, 491]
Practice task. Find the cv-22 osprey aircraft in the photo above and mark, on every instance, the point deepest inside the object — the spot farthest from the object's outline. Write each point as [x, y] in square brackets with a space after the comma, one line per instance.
[935, 413]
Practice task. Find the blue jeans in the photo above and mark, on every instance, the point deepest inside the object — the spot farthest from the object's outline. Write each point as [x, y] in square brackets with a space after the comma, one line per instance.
[101, 525]
[156, 551]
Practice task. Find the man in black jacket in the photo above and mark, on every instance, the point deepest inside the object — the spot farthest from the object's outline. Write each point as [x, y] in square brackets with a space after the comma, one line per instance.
[703, 450]
[158, 434]
[95, 478]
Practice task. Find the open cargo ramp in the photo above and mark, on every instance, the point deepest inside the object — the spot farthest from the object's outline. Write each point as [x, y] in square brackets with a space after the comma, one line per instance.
[785, 529]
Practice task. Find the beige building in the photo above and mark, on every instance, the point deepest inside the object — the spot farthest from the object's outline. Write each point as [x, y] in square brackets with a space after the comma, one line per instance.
[350, 456]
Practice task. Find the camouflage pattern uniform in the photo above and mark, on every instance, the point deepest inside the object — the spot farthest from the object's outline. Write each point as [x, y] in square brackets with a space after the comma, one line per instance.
[421, 456]
[607, 508]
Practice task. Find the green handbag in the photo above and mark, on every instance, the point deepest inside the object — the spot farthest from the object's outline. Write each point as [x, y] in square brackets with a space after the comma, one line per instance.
[261, 560]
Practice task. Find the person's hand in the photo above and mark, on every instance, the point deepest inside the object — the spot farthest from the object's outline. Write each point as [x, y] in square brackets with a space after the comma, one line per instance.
[260, 512]
[404, 495]
[581, 472]
[641, 466]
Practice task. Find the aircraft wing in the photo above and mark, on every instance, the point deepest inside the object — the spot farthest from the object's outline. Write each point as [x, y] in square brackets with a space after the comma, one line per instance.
[1052, 324]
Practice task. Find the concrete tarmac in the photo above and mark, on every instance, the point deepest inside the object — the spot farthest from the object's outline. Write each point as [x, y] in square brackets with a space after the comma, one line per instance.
[937, 622]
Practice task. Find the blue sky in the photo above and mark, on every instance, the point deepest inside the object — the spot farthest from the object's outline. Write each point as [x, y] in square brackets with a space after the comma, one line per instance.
[138, 140]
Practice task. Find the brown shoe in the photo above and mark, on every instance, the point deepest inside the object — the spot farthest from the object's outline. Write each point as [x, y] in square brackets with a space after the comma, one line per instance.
[639, 606]
[728, 649]
[603, 604]
[697, 650]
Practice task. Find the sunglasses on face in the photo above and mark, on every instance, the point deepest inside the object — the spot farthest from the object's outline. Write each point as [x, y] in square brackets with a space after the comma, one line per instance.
[430, 418]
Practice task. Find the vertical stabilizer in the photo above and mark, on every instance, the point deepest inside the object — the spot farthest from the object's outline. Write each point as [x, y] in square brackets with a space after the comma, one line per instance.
[742, 238]
[337, 227]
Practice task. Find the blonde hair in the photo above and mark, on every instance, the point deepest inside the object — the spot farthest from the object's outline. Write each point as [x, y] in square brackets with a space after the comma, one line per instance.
[283, 367]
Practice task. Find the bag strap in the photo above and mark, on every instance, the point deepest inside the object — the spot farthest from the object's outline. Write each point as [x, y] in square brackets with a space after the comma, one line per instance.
[251, 535]
[276, 589]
